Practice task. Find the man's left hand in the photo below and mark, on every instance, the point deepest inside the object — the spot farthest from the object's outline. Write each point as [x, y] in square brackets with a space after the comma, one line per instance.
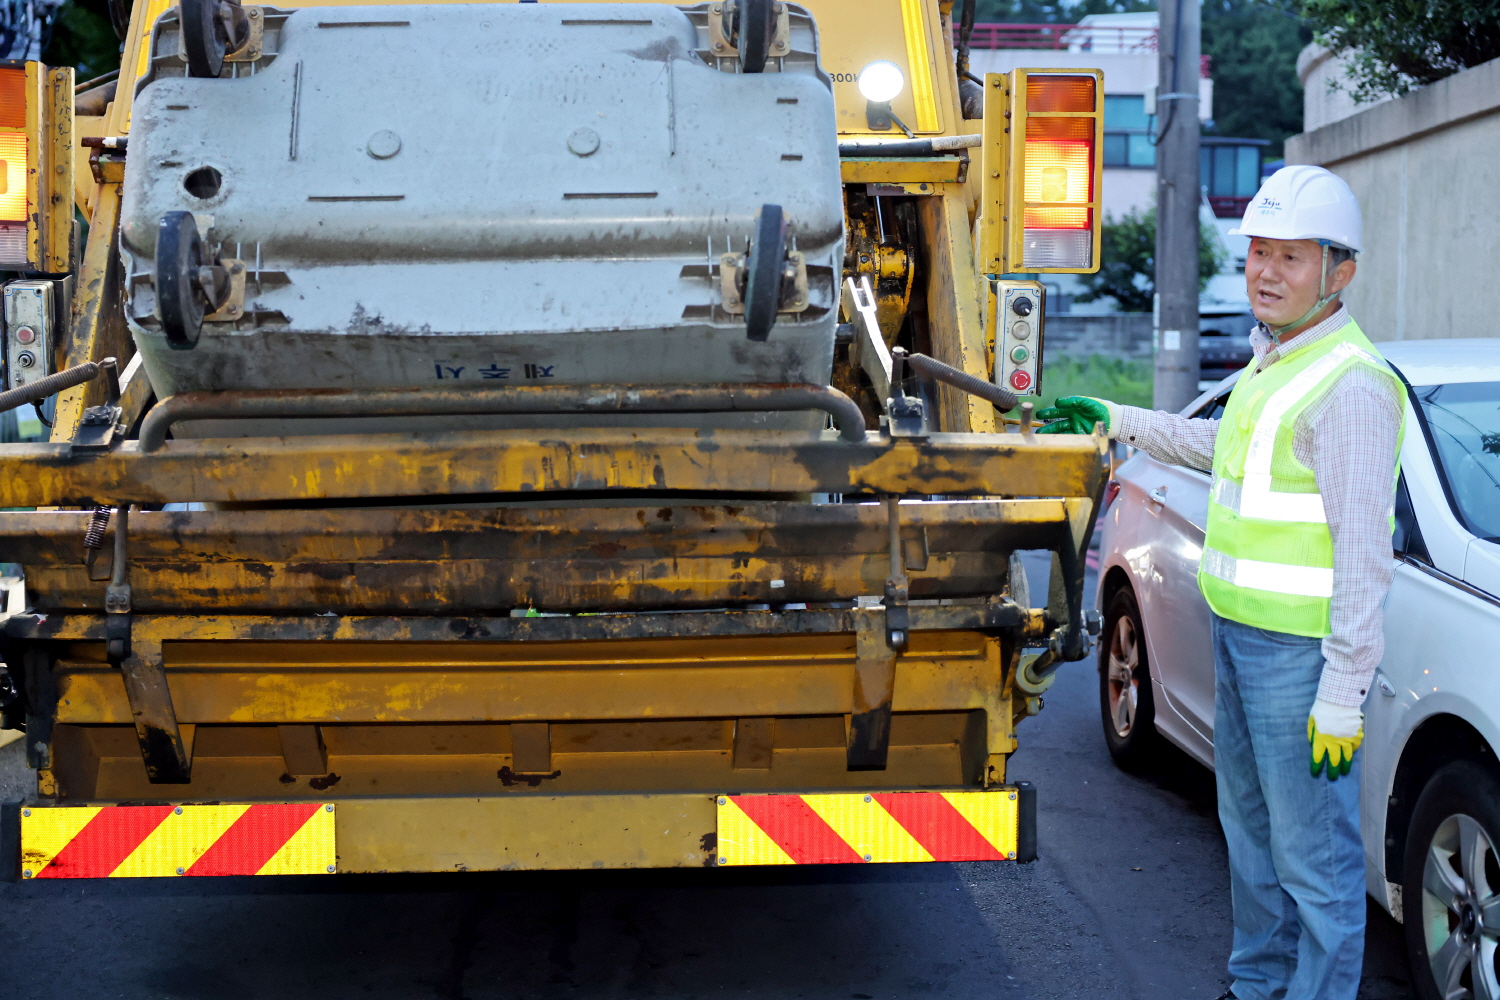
[1078, 415]
[1335, 732]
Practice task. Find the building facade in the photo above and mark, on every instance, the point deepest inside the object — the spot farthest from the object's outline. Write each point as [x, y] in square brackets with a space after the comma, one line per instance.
[1124, 46]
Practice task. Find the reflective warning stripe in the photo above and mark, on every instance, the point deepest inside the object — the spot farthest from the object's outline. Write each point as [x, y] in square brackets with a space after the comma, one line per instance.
[870, 832]
[140, 841]
[857, 827]
[1278, 578]
[1256, 498]
[919, 66]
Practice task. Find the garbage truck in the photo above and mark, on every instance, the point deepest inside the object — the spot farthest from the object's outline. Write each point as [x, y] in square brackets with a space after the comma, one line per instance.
[496, 436]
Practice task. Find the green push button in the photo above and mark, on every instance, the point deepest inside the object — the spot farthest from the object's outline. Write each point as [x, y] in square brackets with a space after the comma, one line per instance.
[1019, 354]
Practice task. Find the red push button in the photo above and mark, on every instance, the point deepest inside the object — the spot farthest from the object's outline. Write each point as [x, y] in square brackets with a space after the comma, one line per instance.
[25, 335]
[1020, 380]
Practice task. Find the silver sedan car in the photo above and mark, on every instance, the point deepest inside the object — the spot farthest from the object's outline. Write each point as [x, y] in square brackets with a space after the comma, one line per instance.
[1431, 794]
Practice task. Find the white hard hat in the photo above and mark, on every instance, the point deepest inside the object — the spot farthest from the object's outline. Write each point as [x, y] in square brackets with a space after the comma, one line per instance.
[1304, 203]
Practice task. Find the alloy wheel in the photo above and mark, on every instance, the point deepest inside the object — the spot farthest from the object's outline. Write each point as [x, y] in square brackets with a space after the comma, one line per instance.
[1124, 684]
[1461, 910]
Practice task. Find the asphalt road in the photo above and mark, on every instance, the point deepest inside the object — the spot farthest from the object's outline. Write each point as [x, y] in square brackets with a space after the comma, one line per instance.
[1129, 900]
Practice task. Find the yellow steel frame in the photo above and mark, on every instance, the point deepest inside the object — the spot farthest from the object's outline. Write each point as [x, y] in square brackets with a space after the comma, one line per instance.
[532, 462]
[621, 710]
[413, 561]
[49, 167]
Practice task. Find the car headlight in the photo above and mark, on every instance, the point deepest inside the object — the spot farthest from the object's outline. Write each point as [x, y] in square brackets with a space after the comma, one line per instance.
[881, 81]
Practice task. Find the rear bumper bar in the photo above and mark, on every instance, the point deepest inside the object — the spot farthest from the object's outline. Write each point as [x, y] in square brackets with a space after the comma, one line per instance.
[517, 832]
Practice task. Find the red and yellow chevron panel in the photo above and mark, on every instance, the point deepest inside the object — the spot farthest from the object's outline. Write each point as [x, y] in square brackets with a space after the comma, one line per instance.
[124, 841]
[858, 827]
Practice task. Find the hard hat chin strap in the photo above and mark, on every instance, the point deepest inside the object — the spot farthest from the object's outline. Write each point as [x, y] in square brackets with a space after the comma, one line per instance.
[1323, 300]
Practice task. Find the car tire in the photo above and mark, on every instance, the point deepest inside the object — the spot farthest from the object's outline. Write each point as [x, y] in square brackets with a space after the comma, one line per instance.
[1452, 876]
[1126, 703]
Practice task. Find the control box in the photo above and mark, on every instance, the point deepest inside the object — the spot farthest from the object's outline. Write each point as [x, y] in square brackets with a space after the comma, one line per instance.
[30, 310]
[1015, 314]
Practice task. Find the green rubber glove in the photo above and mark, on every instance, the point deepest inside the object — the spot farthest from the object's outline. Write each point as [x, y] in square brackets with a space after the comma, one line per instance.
[1078, 415]
[1335, 732]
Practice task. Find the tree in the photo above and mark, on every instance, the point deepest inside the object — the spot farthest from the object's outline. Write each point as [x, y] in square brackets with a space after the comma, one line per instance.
[1254, 46]
[1397, 46]
[1127, 272]
[82, 37]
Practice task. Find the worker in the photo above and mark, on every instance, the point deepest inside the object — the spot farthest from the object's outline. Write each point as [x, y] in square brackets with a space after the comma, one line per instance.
[1296, 566]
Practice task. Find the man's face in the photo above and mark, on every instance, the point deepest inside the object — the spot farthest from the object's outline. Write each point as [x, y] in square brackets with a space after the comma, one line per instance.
[1281, 278]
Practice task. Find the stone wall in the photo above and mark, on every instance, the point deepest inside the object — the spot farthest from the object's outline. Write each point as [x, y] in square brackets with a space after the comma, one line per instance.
[1426, 169]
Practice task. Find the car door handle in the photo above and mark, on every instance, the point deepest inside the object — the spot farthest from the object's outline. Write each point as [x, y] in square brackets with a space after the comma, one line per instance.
[1158, 495]
[1385, 686]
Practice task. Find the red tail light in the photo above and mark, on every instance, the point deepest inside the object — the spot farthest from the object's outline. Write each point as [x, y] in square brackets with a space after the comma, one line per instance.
[1111, 490]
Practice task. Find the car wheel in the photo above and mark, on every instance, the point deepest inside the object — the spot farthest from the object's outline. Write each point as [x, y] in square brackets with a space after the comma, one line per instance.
[1450, 896]
[1125, 698]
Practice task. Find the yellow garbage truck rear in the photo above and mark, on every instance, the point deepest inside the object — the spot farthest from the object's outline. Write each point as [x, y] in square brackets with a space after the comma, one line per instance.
[535, 436]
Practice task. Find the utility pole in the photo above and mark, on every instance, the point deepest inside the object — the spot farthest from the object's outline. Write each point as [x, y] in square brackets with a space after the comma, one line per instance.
[1177, 199]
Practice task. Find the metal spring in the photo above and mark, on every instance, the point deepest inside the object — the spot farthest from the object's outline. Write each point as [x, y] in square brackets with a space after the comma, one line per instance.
[93, 537]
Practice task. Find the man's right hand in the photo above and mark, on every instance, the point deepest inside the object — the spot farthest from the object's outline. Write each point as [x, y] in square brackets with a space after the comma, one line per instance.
[1078, 415]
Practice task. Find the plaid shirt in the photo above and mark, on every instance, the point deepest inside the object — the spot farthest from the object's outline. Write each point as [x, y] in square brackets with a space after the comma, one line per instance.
[1348, 438]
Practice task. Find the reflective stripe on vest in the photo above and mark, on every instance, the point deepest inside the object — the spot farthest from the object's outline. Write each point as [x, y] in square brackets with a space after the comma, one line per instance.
[1267, 504]
[1280, 578]
[1256, 498]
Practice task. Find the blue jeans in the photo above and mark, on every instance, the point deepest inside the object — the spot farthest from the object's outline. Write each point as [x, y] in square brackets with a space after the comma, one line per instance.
[1296, 862]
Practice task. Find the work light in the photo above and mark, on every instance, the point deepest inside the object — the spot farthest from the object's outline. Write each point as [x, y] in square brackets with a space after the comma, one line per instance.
[881, 81]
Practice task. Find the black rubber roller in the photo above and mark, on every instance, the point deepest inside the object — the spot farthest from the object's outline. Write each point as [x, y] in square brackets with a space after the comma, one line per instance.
[763, 284]
[757, 26]
[179, 254]
[203, 40]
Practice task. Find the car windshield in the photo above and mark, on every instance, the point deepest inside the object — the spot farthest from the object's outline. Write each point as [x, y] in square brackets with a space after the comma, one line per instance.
[1465, 422]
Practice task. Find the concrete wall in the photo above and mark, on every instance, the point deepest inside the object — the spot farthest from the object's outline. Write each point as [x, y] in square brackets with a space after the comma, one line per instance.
[1426, 169]
[1326, 88]
[1117, 335]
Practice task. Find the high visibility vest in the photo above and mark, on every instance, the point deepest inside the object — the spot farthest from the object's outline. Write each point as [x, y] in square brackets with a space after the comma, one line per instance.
[1267, 553]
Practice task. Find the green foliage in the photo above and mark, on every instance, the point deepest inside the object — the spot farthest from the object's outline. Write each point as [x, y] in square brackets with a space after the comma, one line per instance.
[1127, 271]
[1397, 45]
[1254, 46]
[83, 38]
[1125, 382]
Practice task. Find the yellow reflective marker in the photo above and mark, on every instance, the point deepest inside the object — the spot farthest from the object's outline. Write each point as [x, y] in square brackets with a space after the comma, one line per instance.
[919, 66]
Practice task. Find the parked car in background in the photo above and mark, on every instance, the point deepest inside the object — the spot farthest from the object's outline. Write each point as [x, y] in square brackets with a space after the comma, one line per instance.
[1430, 797]
[1223, 345]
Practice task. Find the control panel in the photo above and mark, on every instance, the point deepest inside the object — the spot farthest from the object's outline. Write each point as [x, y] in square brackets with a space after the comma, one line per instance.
[29, 312]
[1016, 317]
